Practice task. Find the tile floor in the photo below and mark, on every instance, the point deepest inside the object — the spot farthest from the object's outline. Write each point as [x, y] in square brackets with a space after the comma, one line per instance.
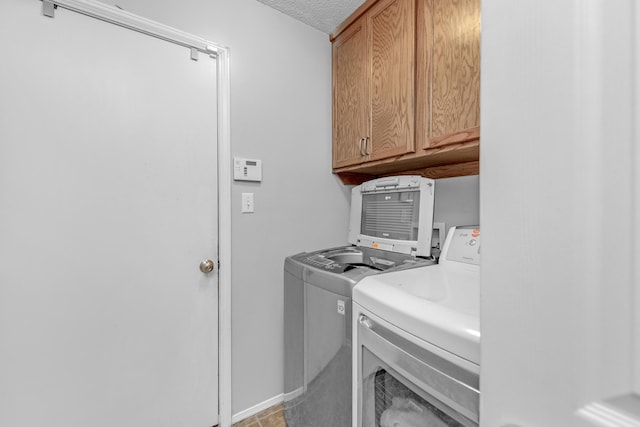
[270, 417]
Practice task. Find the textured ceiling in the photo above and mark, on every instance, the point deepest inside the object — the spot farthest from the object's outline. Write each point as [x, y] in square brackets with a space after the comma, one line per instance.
[325, 15]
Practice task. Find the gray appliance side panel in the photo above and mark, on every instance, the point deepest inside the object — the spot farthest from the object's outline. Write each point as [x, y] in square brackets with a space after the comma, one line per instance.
[327, 327]
[326, 397]
[292, 266]
[293, 333]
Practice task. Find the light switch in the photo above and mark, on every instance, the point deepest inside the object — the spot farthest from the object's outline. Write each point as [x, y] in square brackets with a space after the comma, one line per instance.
[247, 203]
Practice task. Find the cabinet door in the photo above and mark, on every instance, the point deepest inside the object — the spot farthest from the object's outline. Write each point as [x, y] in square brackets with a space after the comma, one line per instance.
[392, 34]
[449, 71]
[350, 94]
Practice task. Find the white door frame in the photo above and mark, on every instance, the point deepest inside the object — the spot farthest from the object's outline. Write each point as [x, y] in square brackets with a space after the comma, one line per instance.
[197, 46]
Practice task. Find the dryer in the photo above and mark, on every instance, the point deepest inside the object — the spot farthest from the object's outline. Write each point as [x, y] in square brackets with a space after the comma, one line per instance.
[416, 358]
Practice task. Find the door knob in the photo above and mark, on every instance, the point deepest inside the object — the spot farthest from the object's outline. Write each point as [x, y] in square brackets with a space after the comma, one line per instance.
[206, 266]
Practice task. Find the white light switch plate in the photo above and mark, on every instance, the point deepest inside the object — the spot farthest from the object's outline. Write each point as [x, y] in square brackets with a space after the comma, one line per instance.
[247, 203]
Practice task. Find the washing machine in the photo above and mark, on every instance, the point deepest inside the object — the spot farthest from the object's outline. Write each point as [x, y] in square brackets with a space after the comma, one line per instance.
[416, 358]
[390, 229]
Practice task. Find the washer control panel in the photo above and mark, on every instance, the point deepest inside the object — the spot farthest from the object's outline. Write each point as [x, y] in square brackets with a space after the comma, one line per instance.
[464, 245]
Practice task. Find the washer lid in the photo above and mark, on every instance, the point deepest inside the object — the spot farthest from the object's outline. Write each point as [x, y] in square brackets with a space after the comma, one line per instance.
[439, 304]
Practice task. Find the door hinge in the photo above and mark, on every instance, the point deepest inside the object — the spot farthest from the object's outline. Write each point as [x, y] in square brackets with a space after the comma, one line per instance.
[48, 8]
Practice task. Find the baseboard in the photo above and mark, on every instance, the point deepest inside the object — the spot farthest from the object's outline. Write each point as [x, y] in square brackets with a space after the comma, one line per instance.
[255, 409]
[293, 394]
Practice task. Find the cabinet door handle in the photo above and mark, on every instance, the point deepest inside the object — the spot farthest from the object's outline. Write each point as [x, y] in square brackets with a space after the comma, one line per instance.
[361, 146]
[366, 140]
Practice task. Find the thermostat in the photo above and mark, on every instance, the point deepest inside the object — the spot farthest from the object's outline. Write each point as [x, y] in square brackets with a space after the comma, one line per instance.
[247, 169]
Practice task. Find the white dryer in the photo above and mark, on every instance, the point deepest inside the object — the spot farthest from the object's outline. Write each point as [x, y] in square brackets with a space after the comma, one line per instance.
[416, 358]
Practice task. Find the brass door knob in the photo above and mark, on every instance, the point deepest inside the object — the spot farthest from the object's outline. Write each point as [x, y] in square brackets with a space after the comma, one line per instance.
[206, 266]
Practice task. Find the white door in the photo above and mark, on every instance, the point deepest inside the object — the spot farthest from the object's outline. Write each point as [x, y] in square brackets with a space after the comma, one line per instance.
[560, 214]
[108, 203]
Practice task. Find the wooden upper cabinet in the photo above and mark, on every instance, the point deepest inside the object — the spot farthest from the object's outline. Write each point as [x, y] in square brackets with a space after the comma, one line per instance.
[391, 39]
[406, 90]
[448, 72]
[373, 85]
[351, 109]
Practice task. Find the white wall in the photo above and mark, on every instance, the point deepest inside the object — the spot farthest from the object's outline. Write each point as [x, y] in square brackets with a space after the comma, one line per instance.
[557, 197]
[457, 201]
[280, 113]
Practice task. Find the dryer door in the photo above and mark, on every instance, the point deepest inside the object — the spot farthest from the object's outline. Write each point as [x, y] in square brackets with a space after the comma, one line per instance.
[401, 383]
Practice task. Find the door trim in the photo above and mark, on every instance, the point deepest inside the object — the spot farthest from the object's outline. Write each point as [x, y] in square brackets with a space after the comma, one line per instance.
[113, 15]
[224, 238]
[122, 18]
